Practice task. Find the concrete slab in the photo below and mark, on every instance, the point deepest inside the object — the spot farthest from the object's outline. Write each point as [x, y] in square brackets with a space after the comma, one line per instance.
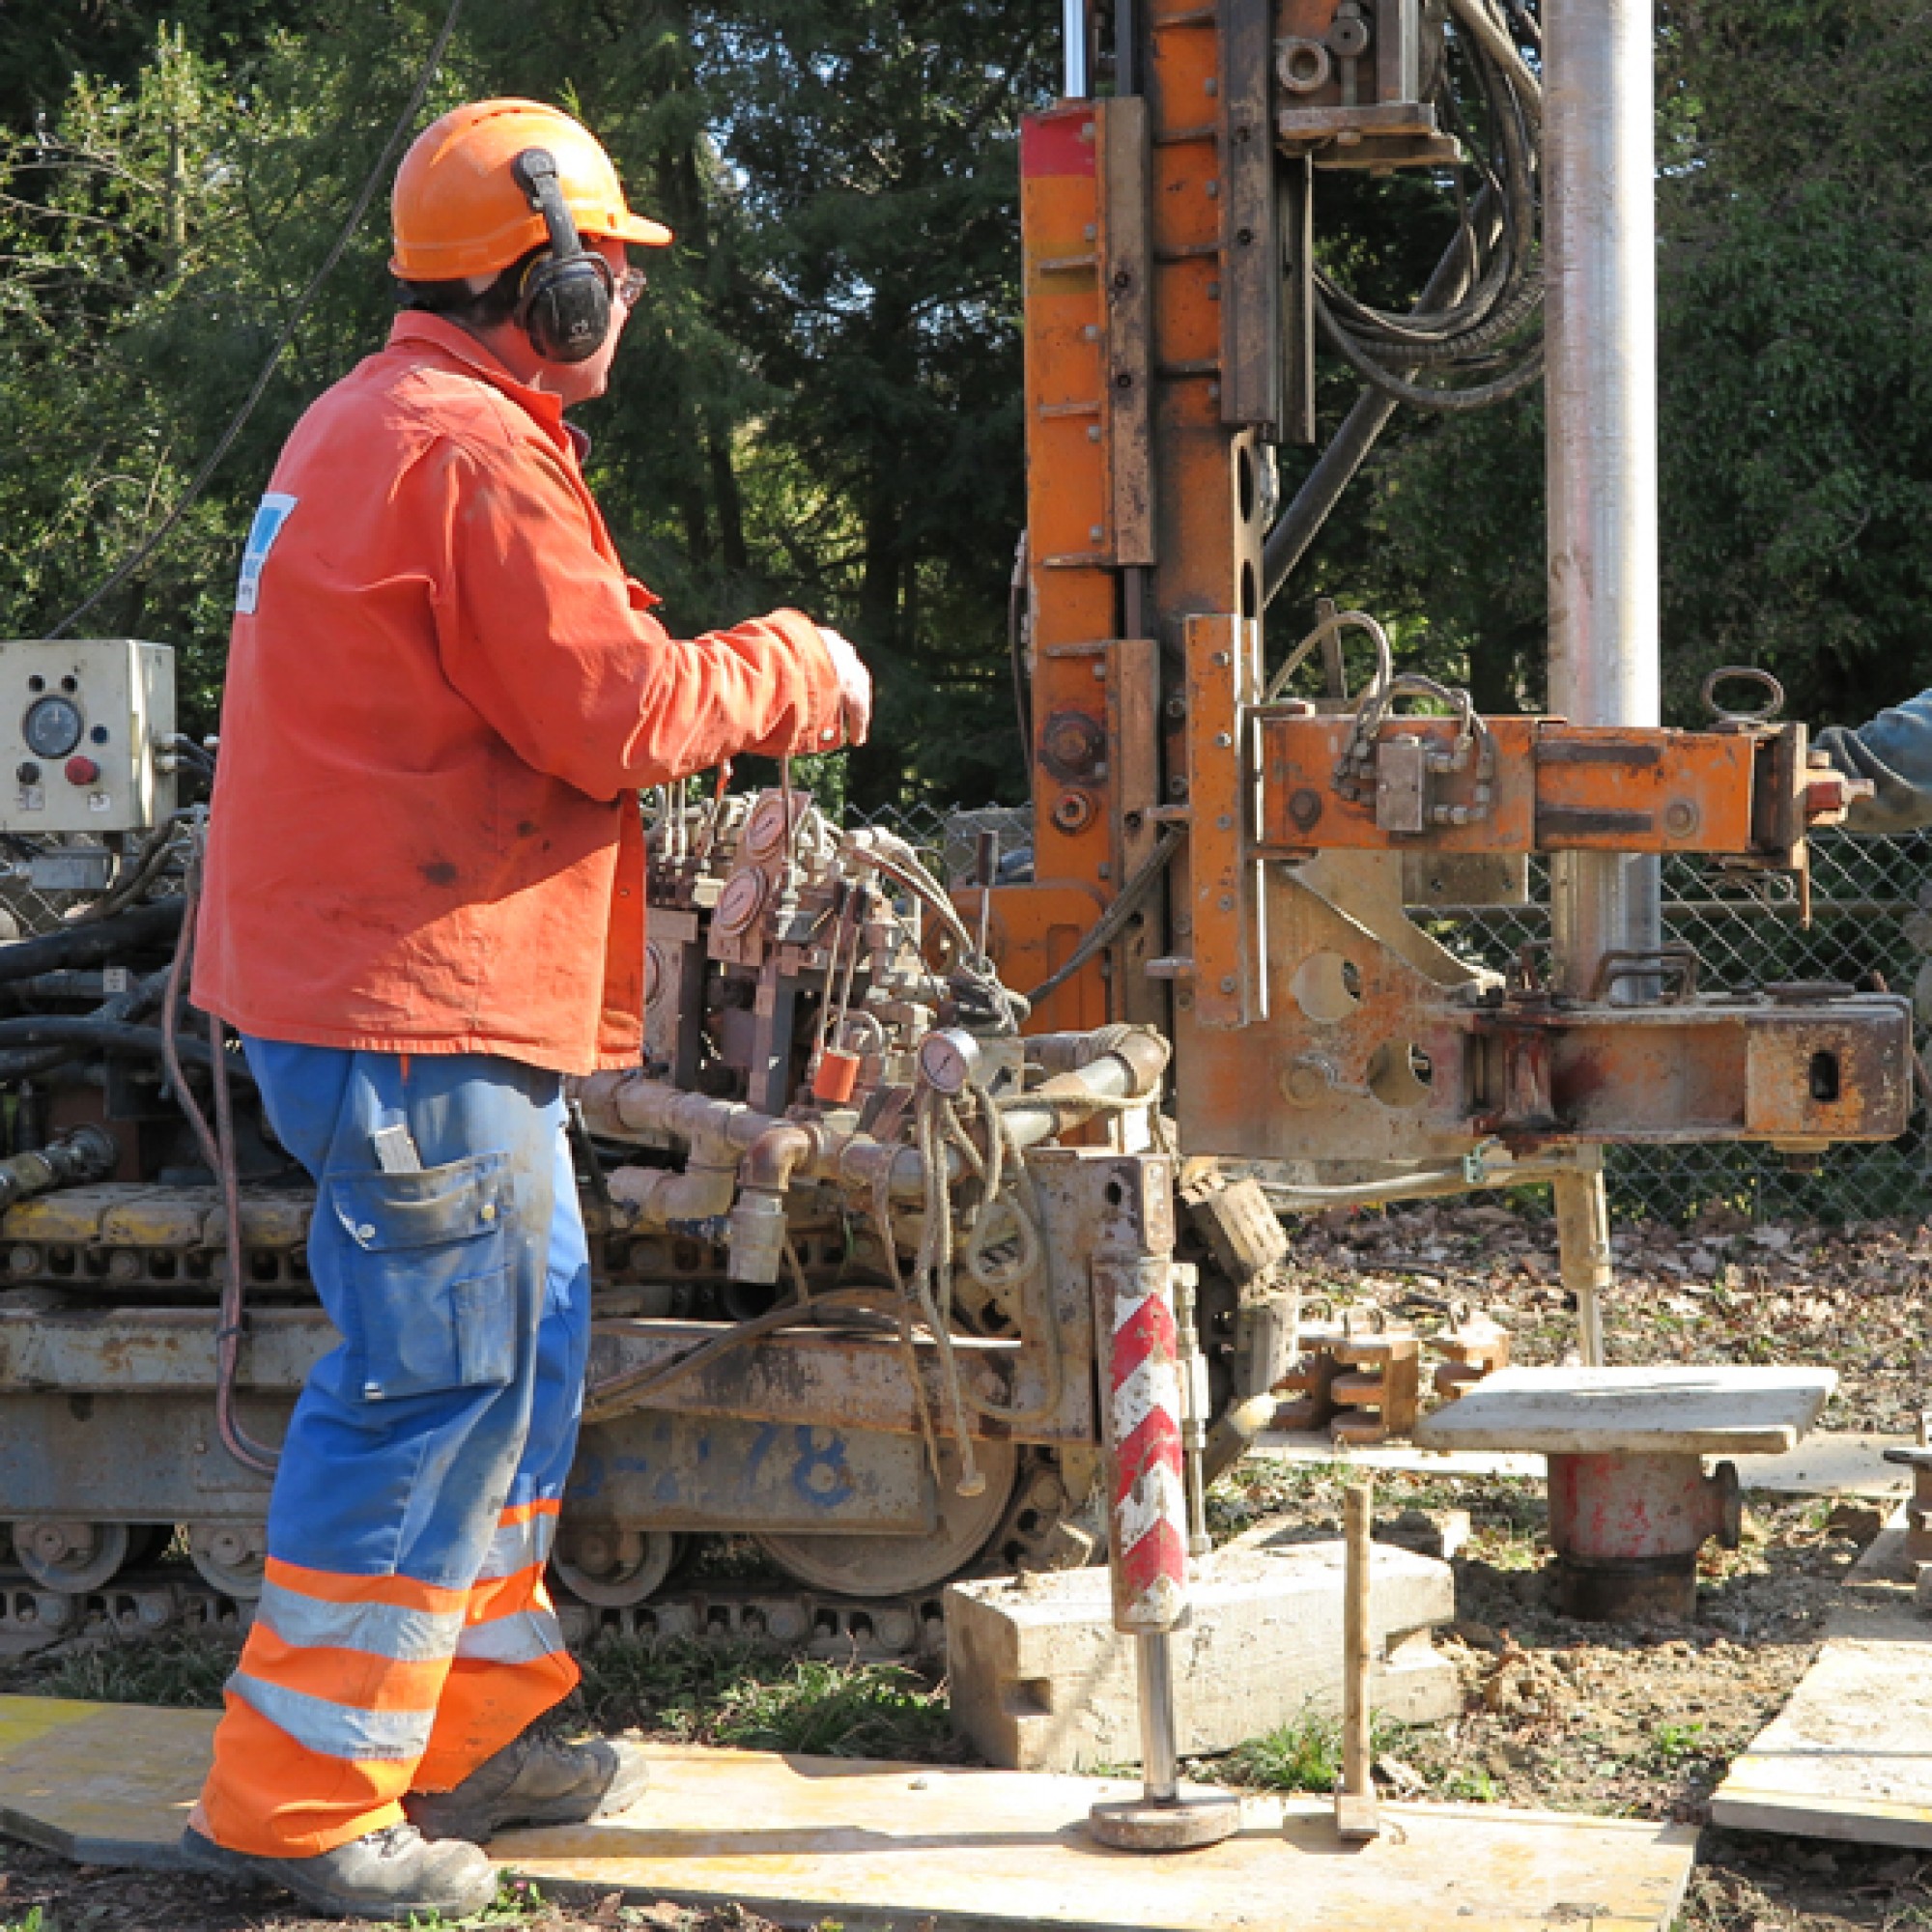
[878, 1845]
[1836, 1465]
[1832, 1464]
[1308, 1446]
[1882, 1559]
[1659, 1411]
[1042, 1681]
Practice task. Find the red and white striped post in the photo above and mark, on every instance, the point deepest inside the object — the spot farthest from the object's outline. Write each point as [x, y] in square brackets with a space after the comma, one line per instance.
[1147, 1489]
[1146, 1482]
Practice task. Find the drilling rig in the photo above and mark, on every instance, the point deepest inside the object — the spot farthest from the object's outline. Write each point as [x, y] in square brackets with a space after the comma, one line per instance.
[1236, 862]
[914, 1194]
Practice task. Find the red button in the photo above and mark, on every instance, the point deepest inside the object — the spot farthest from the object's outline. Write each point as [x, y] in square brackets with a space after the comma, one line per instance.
[82, 771]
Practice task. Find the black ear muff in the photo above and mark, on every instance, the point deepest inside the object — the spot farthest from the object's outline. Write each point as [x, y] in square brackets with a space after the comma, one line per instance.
[565, 302]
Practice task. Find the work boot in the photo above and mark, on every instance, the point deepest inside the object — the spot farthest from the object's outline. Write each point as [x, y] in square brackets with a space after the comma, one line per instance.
[536, 1779]
[391, 1874]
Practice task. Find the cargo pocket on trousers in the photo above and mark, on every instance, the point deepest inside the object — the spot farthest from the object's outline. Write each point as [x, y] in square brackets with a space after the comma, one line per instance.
[432, 1302]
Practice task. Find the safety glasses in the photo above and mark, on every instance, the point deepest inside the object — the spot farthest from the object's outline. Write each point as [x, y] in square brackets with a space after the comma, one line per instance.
[630, 286]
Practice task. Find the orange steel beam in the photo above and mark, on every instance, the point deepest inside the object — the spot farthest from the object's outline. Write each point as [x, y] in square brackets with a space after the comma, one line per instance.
[1555, 787]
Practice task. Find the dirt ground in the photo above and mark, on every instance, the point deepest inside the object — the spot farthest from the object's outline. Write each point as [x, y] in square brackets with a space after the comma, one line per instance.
[1631, 1723]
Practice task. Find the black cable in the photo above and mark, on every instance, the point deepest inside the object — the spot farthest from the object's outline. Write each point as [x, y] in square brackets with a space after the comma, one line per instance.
[1499, 287]
[1479, 397]
[1113, 921]
[101, 1035]
[26, 1062]
[1016, 591]
[146, 549]
[92, 945]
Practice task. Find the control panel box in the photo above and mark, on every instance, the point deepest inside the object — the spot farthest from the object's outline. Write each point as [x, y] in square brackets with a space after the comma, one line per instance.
[84, 725]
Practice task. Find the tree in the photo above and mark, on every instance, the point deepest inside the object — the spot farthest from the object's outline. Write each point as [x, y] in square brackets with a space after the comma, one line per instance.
[820, 399]
[1796, 452]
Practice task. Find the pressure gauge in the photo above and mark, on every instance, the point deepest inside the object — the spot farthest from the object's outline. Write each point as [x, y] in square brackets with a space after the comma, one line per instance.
[947, 1059]
[741, 902]
[53, 726]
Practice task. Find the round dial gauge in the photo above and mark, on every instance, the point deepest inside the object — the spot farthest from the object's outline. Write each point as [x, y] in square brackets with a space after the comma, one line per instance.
[53, 726]
[949, 1058]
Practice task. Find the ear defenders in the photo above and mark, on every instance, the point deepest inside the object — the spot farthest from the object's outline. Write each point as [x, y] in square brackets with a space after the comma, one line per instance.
[565, 302]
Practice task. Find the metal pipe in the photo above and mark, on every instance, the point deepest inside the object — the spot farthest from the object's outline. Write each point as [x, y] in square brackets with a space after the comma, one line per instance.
[1073, 33]
[1584, 1243]
[1160, 1771]
[621, 1105]
[1600, 239]
[1287, 1197]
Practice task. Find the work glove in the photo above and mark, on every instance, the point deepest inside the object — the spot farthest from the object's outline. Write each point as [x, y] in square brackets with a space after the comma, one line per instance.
[855, 685]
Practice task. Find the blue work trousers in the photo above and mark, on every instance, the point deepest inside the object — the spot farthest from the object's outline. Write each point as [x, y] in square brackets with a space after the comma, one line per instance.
[404, 1634]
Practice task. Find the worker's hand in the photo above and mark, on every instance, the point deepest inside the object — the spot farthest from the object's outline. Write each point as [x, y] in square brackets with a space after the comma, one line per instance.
[855, 685]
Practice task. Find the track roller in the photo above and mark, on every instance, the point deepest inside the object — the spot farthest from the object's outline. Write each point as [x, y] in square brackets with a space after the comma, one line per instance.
[614, 1568]
[71, 1558]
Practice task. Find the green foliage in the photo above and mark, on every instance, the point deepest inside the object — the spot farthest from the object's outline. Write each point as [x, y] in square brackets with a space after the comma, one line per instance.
[1796, 451]
[818, 402]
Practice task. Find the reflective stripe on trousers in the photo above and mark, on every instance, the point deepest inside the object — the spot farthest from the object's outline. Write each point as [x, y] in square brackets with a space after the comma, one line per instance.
[404, 1634]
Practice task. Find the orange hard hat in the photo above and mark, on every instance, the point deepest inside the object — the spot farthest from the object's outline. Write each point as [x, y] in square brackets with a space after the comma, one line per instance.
[457, 209]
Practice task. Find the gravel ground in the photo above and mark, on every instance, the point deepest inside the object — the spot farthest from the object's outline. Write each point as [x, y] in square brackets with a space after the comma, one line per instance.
[1628, 1722]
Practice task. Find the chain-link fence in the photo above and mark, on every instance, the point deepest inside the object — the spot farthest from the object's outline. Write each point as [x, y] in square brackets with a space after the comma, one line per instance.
[1871, 914]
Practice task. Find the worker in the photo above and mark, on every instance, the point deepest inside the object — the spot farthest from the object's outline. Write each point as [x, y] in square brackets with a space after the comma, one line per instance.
[1894, 751]
[423, 909]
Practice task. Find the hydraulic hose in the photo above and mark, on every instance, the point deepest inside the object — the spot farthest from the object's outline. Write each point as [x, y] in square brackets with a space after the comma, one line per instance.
[93, 945]
[217, 1148]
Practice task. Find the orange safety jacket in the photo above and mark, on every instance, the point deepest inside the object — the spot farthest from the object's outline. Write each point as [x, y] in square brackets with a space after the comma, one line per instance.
[442, 695]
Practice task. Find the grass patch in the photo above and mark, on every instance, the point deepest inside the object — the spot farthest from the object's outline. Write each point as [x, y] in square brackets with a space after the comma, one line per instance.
[1678, 1744]
[178, 1667]
[757, 1697]
[1304, 1754]
[517, 1901]
[831, 1710]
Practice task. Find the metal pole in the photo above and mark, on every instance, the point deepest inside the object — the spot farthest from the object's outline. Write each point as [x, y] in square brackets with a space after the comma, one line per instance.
[1600, 236]
[1161, 1772]
[1583, 1244]
[1601, 387]
[1073, 34]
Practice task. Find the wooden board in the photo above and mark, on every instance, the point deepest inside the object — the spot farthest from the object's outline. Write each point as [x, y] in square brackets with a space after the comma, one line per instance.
[870, 1843]
[1707, 1412]
[1850, 1756]
[892, 1844]
[105, 1784]
[1823, 1464]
